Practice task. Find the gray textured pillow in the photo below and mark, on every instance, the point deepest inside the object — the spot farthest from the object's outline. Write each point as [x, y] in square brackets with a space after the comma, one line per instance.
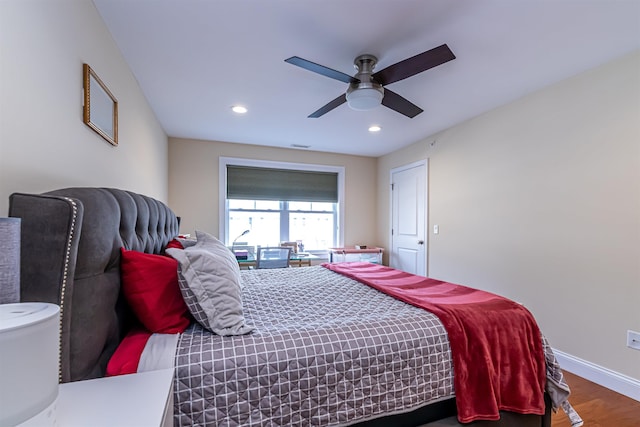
[210, 285]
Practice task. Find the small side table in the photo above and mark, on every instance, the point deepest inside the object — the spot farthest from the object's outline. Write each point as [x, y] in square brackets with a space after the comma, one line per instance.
[142, 400]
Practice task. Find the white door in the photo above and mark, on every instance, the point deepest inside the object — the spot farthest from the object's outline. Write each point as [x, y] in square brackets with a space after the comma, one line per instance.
[408, 218]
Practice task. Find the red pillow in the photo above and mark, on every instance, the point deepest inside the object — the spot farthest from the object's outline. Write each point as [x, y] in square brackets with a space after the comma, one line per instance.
[175, 243]
[126, 358]
[150, 285]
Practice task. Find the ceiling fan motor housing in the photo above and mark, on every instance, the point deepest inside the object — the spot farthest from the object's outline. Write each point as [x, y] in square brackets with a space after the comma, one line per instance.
[366, 93]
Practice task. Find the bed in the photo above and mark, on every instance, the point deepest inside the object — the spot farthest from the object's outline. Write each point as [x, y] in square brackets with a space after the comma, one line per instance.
[359, 357]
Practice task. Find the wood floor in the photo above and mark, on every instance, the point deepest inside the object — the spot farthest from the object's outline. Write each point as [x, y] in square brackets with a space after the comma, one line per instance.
[598, 406]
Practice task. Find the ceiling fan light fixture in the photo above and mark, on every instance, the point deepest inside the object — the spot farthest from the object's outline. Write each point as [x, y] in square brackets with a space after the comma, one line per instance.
[365, 99]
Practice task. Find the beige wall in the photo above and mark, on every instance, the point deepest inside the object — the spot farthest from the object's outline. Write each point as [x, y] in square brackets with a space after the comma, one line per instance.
[44, 143]
[540, 201]
[193, 183]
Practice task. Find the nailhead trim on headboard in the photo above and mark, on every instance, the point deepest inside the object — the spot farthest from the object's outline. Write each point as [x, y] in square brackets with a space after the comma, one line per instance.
[64, 280]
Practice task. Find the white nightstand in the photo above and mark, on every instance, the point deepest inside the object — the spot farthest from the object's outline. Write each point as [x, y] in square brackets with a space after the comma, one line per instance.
[140, 400]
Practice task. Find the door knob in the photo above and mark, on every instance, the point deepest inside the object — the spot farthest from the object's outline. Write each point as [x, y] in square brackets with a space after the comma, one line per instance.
[421, 242]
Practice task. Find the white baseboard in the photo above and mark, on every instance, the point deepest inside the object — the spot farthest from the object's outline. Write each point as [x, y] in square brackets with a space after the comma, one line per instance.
[612, 380]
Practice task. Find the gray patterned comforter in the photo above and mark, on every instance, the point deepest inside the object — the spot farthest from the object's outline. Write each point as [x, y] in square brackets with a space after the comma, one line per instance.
[327, 350]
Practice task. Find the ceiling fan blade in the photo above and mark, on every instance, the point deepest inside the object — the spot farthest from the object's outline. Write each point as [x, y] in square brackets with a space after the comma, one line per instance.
[401, 105]
[330, 106]
[414, 65]
[321, 69]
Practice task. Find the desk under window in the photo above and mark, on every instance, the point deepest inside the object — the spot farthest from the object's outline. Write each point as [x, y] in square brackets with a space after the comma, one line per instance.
[296, 260]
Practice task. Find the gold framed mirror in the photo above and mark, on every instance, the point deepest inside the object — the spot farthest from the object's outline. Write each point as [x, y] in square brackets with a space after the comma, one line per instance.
[100, 109]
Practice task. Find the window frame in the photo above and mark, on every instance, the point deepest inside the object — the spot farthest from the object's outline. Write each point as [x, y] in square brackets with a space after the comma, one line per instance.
[235, 161]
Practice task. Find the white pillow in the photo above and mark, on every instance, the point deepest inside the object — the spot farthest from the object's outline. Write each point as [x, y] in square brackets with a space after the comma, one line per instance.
[210, 285]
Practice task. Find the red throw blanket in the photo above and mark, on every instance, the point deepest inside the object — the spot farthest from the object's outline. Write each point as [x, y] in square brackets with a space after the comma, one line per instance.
[496, 345]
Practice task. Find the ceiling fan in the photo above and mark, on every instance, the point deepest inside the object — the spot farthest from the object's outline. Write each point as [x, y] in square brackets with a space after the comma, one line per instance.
[366, 88]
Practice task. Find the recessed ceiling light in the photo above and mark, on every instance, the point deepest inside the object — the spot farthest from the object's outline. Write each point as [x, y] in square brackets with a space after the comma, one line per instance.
[239, 109]
[375, 128]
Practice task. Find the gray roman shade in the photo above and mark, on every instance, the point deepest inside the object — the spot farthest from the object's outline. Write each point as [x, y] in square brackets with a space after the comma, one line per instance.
[253, 183]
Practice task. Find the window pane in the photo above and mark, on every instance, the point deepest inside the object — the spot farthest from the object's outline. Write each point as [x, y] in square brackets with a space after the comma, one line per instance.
[241, 204]
[264, 227]
[311, 206]
[319, 206]
[316, 230]
[299, 206]
[268, 205]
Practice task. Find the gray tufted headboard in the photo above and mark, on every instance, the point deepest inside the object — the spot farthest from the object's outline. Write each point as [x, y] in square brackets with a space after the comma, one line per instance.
[70, 256]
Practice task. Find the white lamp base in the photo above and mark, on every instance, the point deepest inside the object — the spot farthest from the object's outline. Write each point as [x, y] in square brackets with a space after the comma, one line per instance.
[46, 418]
[29, 346]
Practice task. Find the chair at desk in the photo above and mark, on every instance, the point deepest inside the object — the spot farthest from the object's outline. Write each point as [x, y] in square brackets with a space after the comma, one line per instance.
[274, 257]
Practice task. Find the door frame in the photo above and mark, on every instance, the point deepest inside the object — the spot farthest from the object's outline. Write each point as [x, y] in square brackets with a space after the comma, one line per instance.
[422, 162]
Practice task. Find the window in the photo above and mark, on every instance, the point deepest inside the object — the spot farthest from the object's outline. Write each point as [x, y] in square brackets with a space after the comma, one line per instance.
[280, 202]
[272, 222]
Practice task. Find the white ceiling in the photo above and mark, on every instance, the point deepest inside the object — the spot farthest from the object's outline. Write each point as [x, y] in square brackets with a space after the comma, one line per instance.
[194, 59]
